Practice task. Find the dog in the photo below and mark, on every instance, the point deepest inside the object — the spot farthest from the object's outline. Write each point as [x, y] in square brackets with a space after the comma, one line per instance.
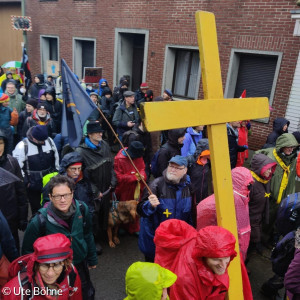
[122, 212]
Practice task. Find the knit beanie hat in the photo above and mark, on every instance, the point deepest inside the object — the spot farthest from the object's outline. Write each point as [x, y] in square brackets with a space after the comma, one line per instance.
[40, 132]
[3, 98]
[144, 85]
[33, 102]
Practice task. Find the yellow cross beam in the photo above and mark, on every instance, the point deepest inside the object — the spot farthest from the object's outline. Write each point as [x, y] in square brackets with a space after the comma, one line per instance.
[201, 112]
[214, 111]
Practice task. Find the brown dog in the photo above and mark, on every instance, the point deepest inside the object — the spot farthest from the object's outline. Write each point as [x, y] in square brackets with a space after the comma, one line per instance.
[122, 212]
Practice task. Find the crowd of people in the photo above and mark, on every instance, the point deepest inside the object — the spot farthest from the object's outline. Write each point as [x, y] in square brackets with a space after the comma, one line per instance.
[70, 192]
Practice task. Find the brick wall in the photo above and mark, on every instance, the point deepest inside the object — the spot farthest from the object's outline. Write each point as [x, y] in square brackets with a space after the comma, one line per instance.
[248, 24]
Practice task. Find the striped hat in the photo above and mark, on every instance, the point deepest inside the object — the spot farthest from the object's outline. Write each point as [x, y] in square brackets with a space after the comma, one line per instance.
[3, 98]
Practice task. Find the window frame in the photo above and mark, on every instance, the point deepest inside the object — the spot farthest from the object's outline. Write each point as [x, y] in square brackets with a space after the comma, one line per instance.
[42, 36]
[233, 69]
[169, 67]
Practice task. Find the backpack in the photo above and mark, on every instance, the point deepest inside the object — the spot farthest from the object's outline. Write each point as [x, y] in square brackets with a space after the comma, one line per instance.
[126, 135]
[19, 268]
[34, 178]
[154, 164]
[288, 214]
[283, 254]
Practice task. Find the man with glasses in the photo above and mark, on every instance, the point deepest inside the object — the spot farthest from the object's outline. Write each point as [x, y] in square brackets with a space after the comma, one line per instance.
[66, 215]
[171, 199]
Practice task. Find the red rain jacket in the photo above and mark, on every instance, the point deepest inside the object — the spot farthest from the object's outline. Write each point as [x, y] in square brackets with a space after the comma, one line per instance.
[127, 180]
[180, 248]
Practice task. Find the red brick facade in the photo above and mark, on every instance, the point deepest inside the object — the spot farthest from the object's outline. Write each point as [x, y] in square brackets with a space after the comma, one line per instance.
[247, 24]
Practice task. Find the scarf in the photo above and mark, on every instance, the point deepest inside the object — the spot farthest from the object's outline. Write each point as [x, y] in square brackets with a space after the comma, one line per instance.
[257, 178]
[61, 217]
[90, 144]
[285, 176]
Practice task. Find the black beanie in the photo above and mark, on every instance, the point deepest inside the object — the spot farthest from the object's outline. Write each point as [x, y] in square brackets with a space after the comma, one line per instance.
[33, 102]
[136, 149]
[40, 132]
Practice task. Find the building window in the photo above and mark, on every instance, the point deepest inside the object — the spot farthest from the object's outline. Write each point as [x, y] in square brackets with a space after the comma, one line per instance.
[185, 73]
[253, 71]
[182, 72]
[84, 55]
[49, 50]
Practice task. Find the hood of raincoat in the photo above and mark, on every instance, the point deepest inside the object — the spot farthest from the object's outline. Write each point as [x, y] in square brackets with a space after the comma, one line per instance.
[278, 124]
[261, 163]
[241, 178]
[147, 280]
[69, 159]
[286, 140]
[214, 242]
[174, 135]
[41, 78]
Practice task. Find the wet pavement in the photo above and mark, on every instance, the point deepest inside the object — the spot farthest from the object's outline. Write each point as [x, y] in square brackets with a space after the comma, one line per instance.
[109, 277]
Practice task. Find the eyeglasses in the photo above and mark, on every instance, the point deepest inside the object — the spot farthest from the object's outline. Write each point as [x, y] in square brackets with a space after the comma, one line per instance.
[175, 168]
[57, 267]
[75, 169]
[66, 196]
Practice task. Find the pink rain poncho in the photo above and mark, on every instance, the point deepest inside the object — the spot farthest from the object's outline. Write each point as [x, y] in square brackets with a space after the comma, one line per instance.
[206, 209]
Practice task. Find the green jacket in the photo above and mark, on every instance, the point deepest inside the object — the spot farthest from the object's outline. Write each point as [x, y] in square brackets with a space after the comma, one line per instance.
[81, 236]
[146, 281]
[285, 140]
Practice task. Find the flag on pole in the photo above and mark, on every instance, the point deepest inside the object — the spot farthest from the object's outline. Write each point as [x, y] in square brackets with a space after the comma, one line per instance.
[243, 94]
[26, 69]
[77, 106]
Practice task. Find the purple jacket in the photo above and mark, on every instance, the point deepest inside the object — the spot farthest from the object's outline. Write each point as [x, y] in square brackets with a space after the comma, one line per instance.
[292, 278]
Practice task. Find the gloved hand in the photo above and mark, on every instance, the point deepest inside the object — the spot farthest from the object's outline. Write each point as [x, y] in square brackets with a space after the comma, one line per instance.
[248, 125]
[245, 146]
[22, 225]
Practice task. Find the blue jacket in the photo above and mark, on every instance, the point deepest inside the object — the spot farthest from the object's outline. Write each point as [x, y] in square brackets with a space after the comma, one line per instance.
[7, 242]
[190, 142]
[100, 87]
[5, 117]
[175, 203]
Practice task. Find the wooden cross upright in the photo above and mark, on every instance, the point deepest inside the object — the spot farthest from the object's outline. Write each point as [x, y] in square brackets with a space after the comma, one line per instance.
[214, 111]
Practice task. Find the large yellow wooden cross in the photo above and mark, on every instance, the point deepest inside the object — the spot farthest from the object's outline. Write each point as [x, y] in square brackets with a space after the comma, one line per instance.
[214, 111]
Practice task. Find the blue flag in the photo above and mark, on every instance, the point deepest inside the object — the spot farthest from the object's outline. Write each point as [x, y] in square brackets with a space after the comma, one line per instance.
[77, 106]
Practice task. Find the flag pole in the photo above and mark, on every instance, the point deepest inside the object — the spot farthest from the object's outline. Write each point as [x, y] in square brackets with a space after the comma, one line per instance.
[131, 161]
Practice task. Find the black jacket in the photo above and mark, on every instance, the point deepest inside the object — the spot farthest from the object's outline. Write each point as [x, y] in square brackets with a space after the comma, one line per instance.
[278, 124]
[199, 174]
[13, 203]
[169, 149]
[234, 148]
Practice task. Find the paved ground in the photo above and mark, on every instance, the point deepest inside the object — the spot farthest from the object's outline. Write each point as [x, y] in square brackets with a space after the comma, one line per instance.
[109, 277]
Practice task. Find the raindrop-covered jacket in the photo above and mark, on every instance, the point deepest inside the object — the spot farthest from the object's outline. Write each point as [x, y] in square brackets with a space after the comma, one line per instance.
[206, 209]
[181, 249]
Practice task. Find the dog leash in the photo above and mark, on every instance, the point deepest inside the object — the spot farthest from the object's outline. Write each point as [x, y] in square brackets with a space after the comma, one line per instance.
[113, 209]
